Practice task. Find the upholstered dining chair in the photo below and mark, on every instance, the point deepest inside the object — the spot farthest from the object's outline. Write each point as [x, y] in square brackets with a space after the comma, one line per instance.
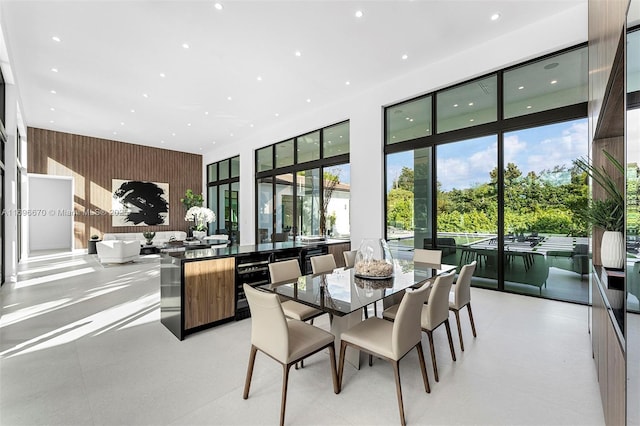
[390, 341]
[460, 297]
[323, 263]
[434, 314]
[433, 257]
[289, 271]
[349, 258]
[285, 340]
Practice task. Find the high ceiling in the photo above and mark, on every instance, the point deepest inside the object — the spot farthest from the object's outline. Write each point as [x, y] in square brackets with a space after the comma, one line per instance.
[184, 74]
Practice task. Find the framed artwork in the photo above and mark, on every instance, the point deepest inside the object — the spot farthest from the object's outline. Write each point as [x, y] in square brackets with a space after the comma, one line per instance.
[138, 203]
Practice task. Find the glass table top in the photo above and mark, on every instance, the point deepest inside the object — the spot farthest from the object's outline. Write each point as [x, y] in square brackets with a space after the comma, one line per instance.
[342, 292]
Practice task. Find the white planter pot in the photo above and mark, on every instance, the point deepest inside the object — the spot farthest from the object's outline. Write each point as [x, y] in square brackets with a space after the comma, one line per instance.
[612, 252]
[199, 234]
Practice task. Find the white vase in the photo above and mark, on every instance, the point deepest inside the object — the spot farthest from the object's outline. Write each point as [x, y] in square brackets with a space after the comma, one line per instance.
[199, 235]
[612, 252]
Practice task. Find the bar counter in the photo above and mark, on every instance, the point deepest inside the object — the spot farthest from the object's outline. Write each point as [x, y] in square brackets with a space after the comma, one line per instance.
[202, 288]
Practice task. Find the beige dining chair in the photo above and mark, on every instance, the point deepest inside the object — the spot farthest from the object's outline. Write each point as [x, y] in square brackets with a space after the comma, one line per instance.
[285, 340]
[323, 263]
[460, 297]
[289, 271]
[434, 314]
[390, 341]
[433, 257]
[349, 258]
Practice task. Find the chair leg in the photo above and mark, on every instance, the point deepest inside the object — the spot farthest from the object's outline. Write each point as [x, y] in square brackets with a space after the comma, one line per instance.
[285, 381]
[453, 351]
[343, 350]
[252, 360]
[334, 372]
[433, 355]
[396, 370]
[473, 325]
[457, 312]
[423, 367]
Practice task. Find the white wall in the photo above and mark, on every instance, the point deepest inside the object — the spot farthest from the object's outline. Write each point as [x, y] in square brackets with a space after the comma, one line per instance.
[50, 207]
[365, 112]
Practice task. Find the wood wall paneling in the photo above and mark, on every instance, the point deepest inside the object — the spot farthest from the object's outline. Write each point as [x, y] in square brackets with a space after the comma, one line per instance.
[606, 23]
[94, 162]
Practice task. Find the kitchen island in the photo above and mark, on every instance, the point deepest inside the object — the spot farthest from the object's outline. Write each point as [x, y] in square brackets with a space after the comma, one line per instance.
[202, 288]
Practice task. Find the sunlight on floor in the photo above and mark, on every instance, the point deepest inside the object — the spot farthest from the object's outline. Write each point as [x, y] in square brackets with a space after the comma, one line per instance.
[53, 277]
[116, 317]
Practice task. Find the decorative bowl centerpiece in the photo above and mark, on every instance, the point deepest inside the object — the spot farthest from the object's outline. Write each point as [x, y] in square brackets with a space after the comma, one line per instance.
[373, 260]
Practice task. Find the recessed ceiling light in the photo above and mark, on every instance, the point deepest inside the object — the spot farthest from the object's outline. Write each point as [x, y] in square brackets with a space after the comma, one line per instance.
[359, 14]
[298, 53]
[53, 92]
[347, 83]
[218, 6]
[308, 100]
[470, 103]
[231, 134]
[200, 149]
[54, 69]
[51, 121]
[115, 133]
[554, 81]
[411, 120]
[185, 45]
[173, 134]
[521, 87]
[52, 109]
[144, 95]
[277, 114]
[228, 98]
[495, 16]
[251, 125]
[259, 78]
[133, 110]
[122, 123]
[188, 124]
[214, 142]
[472, 120]
[405, 57]
[161, 141]
[206, 113]
[56, 38]
[455, 105]
[163, 75]
[528, 106]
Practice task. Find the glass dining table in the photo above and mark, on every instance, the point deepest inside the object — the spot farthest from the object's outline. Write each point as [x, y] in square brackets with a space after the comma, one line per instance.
[343, 294]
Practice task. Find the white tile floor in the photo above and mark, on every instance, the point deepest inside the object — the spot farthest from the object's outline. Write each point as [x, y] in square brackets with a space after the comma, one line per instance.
[82, 344]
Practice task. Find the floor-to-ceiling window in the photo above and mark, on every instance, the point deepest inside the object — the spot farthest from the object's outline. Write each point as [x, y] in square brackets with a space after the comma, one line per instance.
[223, 189]
[302, 186]
[484, 171]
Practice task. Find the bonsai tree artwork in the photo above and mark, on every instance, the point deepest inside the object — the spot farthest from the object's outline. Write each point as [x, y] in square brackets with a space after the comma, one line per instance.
[140, 203]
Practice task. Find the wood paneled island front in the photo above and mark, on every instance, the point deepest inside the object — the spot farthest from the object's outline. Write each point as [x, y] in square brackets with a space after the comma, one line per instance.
[202, 288]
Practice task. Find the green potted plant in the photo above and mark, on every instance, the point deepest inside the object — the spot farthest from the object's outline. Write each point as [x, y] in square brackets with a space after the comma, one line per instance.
[608, 213]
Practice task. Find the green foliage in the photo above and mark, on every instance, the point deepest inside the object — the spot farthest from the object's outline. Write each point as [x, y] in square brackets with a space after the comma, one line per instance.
[191, 199]
[608, 213]
[400, 208]
[549, 202]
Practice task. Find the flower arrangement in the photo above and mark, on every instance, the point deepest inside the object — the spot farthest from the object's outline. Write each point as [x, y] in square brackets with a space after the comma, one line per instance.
[201, 216]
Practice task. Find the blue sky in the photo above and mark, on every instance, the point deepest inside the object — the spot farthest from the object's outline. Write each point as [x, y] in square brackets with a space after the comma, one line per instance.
[464, 164]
